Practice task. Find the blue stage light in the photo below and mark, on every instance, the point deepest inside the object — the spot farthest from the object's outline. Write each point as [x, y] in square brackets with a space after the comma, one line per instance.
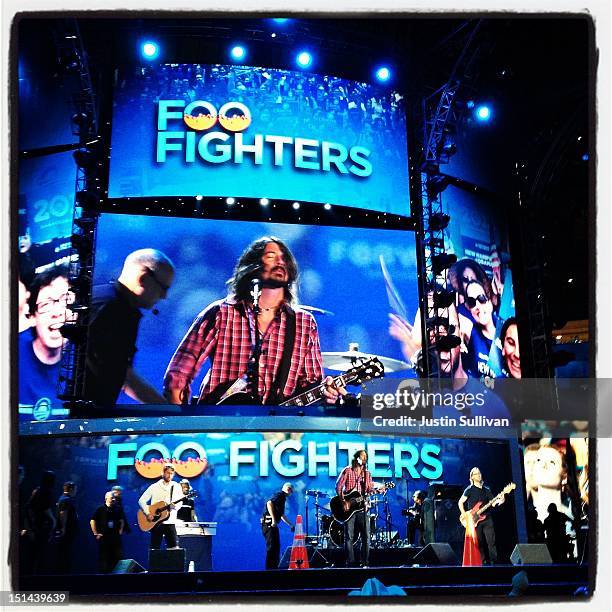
[383, 74]
[483, 113]
[280, 20]
[470, 104]
[238, 52]
[304, 59]
[149, 50]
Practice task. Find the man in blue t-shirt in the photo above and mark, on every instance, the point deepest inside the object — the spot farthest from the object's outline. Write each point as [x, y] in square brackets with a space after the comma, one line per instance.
[40, 347]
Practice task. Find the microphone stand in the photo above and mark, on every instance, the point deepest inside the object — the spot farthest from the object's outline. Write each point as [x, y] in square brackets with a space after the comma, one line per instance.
[253, 365]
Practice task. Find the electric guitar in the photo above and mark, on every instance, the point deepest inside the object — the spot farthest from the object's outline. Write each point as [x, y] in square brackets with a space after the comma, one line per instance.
[160, 512]
[342, 510]
[366, 370]
[475, 515]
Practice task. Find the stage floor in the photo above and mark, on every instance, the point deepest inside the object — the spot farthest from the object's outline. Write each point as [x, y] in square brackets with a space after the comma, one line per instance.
[440, 581]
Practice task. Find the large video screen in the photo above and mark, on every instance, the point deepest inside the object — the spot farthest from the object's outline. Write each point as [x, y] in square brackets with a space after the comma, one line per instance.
[340, 281]
[217, 130]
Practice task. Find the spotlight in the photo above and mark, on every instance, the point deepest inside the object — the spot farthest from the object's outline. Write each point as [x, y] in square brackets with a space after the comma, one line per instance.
[483, 113]
[436, 184]
[199, 198]
[238, 53]
[442, 262]
[74, 332]
[264, 201]
[296, 205]
[87, 199]
[230, 201]
[149, 50]
[383, 74]
[327, 206]
[304, 59]
[448, 342]
[280, 20]
[438, 222]
[448, 149]
[470, 104]
[443, 299]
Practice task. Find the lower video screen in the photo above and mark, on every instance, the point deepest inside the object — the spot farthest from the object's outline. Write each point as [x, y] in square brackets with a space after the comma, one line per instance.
[242, 501]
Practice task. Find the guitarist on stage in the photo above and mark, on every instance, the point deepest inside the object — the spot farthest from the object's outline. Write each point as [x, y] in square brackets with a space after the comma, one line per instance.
[224, 333]
[168, 491]
[485, 531]
[356, 477]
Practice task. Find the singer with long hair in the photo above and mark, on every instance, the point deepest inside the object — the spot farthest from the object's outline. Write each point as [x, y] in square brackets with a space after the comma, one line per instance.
[356, 477]
[256, 333]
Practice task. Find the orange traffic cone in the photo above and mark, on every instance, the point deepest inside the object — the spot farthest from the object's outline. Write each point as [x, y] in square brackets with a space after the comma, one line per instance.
[299, 554]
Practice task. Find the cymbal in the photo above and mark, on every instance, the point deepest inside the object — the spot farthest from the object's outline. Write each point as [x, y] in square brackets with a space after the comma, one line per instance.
[316, 493]
[344, 360]
[315, 310]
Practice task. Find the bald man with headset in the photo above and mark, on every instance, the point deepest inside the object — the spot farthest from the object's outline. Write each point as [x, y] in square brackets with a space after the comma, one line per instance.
[145, 279]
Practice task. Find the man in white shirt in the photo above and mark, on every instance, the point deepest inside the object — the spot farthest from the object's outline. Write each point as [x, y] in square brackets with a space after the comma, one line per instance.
[168, 491]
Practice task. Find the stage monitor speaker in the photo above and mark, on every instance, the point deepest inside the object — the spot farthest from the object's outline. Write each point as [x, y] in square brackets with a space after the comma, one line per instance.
[316, 557]
[128, 566]
[436, 553]
[530, 554]
[167, 560]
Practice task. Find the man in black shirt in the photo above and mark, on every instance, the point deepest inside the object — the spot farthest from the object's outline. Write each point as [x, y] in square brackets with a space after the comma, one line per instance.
[415, 533]
[273, 513]
[145, 279]
[67, 527]
[107, 526]
[485, 531]
[186, 512]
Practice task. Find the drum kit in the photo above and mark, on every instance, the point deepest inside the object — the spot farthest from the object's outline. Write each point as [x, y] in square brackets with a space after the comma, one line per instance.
[329, 532]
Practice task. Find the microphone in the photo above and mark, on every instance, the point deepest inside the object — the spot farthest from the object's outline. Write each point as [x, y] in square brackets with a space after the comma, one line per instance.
[256, 291]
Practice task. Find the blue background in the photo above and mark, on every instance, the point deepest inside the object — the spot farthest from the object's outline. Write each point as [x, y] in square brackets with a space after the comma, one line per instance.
[282, 103]
[339, 271]
[237, 502]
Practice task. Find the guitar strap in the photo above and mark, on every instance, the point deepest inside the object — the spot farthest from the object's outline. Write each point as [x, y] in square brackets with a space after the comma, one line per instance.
[285, 364]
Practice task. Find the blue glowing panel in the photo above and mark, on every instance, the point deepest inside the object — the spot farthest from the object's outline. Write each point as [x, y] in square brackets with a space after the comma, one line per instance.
[215, 130]
[46, 199]
[340, 272]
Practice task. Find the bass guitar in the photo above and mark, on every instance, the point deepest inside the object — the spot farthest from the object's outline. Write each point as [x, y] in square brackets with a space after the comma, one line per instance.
[475, 515]
[160, 512]
[342, 510]
[367, 369]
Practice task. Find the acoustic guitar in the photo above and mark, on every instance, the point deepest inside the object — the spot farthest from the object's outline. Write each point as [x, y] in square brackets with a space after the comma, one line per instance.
[160, 512]
[342, 510]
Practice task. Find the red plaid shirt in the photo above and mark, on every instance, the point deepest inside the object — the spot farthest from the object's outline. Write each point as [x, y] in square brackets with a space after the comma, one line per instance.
[349, 481]
[224, 332]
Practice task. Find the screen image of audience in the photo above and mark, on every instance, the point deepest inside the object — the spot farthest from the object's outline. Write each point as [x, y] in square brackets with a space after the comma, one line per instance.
[42, 311]
[291, 101]
[556, 509]
[474, 319]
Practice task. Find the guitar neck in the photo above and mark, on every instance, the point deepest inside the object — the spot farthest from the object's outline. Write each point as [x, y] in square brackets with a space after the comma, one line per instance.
[316, 393]
[489, 503]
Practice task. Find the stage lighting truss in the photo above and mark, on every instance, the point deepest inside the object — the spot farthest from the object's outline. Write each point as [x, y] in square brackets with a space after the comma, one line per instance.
[88, 194]
[441, 114]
